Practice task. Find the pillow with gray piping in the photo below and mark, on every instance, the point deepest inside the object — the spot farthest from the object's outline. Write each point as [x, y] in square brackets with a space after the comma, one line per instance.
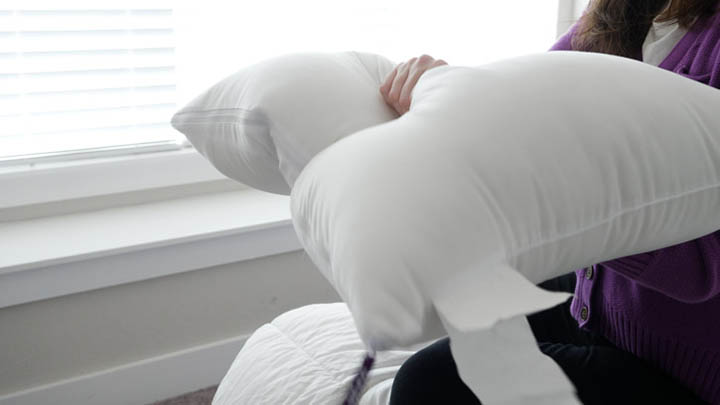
[500, 177]
[263, 124]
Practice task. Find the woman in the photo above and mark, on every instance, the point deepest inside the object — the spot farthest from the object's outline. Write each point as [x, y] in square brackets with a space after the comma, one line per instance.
[643, 329]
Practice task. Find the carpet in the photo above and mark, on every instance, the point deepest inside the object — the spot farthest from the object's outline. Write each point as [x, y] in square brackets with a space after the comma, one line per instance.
[199, 397]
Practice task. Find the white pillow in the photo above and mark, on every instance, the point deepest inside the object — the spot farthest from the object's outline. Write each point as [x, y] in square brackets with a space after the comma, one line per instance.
[263, 124]
[516, 171]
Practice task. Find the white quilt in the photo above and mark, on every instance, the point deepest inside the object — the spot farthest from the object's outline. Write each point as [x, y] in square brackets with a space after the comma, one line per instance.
[306, 356]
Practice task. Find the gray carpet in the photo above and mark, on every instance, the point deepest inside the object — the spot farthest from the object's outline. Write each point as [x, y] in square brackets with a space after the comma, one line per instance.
[199, 397]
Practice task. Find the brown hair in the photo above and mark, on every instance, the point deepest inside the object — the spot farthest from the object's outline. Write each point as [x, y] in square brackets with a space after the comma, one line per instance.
[619, 27]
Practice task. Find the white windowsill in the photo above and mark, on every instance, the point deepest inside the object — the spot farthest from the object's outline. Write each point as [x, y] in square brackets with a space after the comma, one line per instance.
[58, 182]
[59, 255]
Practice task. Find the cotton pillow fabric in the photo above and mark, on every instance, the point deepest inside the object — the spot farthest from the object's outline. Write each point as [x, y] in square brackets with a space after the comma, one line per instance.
[500, 177]
[263, 124]
[306, 356]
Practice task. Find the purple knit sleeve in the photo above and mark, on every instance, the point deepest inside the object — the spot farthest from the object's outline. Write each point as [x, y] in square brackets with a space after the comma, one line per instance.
[688, 272]
[564, 43]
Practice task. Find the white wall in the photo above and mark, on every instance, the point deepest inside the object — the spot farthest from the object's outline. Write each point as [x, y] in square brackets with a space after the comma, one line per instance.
[56, 339]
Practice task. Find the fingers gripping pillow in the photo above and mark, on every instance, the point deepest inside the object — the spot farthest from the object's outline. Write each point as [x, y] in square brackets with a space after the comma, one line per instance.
[498, 178]
[261, 125]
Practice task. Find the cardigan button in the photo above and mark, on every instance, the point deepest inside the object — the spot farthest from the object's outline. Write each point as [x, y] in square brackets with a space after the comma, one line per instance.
[584, 313]
[589, 273]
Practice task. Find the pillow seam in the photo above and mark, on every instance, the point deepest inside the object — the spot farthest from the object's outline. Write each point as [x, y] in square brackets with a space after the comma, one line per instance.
[557, 238]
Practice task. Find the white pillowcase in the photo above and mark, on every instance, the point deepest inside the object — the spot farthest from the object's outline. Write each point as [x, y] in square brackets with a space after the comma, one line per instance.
[516, 171]
[263, 124]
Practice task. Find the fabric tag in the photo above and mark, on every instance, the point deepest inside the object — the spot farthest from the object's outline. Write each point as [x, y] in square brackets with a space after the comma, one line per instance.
[503, 365]
[491, 340]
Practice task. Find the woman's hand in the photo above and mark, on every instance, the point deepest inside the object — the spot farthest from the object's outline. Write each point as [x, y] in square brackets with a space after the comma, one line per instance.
[401, 81]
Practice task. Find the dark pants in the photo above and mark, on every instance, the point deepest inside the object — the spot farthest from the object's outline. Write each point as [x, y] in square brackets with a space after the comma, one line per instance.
[601, 372]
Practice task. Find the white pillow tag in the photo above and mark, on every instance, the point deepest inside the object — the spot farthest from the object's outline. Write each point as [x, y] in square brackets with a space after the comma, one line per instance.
[491, 340]
[502, 365]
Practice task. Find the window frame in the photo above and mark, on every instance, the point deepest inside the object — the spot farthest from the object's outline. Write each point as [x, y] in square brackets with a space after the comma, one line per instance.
[36, 183]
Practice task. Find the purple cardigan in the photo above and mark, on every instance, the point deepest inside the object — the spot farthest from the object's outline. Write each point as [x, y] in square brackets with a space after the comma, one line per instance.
[664, 306]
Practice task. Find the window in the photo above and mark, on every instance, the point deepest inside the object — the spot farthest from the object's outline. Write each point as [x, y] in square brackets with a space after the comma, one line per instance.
[80, 76]
[87, 88]
[215, 38]
[570, 11]
[88, 76]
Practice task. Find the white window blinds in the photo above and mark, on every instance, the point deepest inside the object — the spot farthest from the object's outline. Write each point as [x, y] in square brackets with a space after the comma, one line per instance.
[86, 76]
[82, 77]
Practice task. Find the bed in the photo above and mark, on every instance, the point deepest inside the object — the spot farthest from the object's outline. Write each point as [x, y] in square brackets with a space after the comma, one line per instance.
[306, 356]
